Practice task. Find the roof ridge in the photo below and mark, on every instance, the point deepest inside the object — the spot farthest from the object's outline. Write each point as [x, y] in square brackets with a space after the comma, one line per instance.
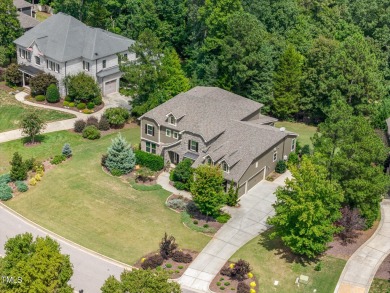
[66, 36]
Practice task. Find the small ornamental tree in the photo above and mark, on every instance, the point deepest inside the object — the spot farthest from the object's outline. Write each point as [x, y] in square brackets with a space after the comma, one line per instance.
[120, 156]
[18, 168]
[41, 82]
[66, 150]
[207, 189]
[32, 125]
[307, 209]
[52, 94]
[82, 88]
[232, 195]
[141, 281]
[12, 75]
[167, 246]
[350, 221]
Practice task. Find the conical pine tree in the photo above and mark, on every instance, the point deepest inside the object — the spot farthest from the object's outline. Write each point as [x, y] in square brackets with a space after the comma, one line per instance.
[120, 156]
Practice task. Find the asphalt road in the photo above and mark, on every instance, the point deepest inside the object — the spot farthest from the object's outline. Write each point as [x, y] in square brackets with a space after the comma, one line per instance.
[90, 269]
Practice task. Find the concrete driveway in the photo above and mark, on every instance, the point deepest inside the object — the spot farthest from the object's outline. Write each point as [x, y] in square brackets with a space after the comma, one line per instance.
[90, 269]
[117, 100]
[248, 221]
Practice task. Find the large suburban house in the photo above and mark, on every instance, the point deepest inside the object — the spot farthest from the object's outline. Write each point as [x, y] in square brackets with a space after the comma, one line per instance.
[26, 14]
[62, 46]
[210, 125]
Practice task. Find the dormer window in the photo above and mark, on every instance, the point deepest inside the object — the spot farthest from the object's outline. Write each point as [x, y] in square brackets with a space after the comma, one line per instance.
[172, 120]
[225, 166]
[209, 161]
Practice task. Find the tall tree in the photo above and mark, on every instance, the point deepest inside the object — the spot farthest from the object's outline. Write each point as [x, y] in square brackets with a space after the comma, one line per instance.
[120, 156]
[10, 28]
[354, 156]
[287, 84]
[38, 263]
[306, 210]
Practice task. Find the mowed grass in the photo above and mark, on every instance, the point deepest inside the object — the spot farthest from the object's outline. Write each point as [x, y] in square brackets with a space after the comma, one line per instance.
[41, 16]
[12, 111]
[79, 201]
[380, 286]
[304, 131]
[270, 263]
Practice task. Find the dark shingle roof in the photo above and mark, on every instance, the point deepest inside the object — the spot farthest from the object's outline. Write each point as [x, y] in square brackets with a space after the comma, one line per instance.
[27, 22]
[62, 38]
[22, 4]
[201, 107]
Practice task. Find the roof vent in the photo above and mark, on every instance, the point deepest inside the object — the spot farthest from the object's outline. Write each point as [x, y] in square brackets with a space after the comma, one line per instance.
[282, 129]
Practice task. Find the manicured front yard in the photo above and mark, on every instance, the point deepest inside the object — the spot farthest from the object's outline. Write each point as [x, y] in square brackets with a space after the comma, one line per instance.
[270, 263]
[11, 112]
[79, 201]
[380, 286]
[305, 131]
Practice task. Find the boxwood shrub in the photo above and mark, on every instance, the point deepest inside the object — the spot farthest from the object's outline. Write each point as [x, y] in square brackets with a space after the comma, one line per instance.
[91, 132]
[40, 98]
[90, 105]
[151, 161]
[81, 106]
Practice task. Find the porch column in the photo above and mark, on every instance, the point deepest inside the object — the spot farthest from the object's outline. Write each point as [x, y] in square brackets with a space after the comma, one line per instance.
[24, 83]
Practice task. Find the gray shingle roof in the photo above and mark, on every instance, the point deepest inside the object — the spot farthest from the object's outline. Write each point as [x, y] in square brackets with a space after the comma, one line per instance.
[22, 4]
[27, 22]
[62, 38]
[201, 107]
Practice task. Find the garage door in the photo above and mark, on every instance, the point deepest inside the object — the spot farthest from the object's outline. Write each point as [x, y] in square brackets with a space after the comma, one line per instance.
[255, 179]
[110, 87]
[241, 189]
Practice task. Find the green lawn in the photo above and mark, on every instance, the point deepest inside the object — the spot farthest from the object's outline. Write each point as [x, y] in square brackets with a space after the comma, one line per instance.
[79, 201]
[304, 131]
[41, 16]
[380, 286]
[270, 263]
[11, 112]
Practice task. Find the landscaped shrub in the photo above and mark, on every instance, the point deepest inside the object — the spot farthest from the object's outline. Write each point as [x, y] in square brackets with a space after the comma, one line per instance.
[38, 167]
[223, 218]
[68, 99]
[103, 160]
[81, 106]
[232, 195]
[90, 105]
[103, 124]
[52, 94]
[293, 159]
[92, 120]
[37, 177]
[180, 185]
[117, 117]
[280, 167]
[18, 168]
[13, 76]
[71, 104]
[116, 172]
[183, 173]
[98, 101]
[66, 150]
[120, 155]
[21, 186]
[152, 262]
[144, 174]
[168, 265]
[167, 246]
[65, 104]
[40, 98]
[91, 132]
[5, 192]
[87, 111]
[306, 150]
[40, 83]
[32, 182]
[177, 204]
[79, 125]
[151, 161]
[82, 87]
[5, 178]
[58, 159]
[180, 256]
[240, 270]
[243, 288]
[191, 208]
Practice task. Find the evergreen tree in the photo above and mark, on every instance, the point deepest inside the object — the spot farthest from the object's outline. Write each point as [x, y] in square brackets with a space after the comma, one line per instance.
[232, 195]
[66, 150]
[306, 210]
[120, 156]
[18, 168]
[287, 83]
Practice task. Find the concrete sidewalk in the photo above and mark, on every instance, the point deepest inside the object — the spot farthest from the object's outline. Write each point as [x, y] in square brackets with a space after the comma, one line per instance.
[163, 180]
[247, 222]
[361, 267]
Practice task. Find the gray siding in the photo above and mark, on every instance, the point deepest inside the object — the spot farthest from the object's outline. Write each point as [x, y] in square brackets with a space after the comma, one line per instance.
[155, 137]
[166, 139]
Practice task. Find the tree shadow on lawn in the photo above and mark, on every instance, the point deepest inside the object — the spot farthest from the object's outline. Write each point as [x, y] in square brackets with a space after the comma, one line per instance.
[279, 249]
[26, 141]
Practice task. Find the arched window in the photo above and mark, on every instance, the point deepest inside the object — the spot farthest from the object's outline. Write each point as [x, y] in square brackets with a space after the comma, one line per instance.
[225, 166]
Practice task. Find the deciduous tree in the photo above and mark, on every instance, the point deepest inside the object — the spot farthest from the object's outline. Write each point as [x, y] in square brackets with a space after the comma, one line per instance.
[10, 28]
[32, 125]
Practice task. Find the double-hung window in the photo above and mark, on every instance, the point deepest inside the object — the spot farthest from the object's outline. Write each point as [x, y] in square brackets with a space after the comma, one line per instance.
[24, 54]
[37, 60]
[168, 132]
[175, 135]
[193, 145]
[149, 129]
[104, 63]
[293, 142]
[150, 147]
[53, 66]
[86, 65]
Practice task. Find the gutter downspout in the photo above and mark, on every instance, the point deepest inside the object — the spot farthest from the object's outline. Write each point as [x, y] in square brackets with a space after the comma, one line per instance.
[66, 88]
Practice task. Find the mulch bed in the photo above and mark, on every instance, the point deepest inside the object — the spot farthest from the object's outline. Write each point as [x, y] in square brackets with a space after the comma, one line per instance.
[271, 177]
[384, 269]
[344, 251]
[233, 283]
[61, 106]
[174, 271]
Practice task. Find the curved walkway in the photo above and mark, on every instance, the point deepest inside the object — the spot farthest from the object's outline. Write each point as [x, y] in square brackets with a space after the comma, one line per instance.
[163, 180]
[50, 127]
[247, 222]
[90, 269]
[361, 267]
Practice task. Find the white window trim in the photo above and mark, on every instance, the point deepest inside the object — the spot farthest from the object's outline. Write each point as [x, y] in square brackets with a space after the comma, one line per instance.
[169, 120]
[209, 158]
[86, 66]
[37, 58]
[147, 129]
[175, 135]
[227, 167]
[151, 147]
[51, 65]
[168, 132]
[275, 153]
[257, 164]
[293, 144]
[196, 143]
[104, 63]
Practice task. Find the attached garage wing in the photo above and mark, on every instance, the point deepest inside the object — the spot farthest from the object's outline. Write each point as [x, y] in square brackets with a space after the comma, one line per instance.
[255, 179]
[110, 87]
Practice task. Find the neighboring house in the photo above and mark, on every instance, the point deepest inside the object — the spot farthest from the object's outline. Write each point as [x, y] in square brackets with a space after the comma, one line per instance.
[62, 46]
[26, 14]
[214, 126]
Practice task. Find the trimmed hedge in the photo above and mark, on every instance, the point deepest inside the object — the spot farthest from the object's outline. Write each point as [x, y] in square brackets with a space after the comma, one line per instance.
[151, 161]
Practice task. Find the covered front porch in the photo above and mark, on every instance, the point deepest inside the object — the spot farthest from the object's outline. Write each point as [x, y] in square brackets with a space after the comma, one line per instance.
[28, 72]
